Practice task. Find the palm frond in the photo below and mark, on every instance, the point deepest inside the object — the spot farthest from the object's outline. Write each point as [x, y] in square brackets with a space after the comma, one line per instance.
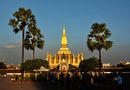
[107, 45]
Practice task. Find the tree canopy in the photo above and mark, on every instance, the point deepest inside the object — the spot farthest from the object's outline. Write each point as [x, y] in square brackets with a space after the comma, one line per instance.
[22, 20]
[34, 39]
[98, 39]
[88, 64]
[30, 65]
[2, 65]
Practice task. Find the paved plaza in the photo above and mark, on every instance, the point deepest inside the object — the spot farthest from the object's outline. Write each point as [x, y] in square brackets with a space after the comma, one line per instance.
[7, 84]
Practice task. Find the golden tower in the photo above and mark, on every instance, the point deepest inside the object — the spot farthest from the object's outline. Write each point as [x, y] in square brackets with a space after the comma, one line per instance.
[64, 42]
[64, 55]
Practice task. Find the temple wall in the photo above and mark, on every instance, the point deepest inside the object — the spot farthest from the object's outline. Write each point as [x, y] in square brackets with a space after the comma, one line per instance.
[70, 59]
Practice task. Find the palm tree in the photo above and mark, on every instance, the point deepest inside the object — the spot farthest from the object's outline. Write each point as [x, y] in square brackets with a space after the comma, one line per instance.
[34, 39]
[98, 39]
[23, 18]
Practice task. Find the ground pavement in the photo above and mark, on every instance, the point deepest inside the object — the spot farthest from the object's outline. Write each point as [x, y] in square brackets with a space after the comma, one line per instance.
[7, 84]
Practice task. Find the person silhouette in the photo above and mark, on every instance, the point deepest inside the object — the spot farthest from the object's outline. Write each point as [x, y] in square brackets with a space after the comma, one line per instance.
[119, 81]
[62, 79]
[68, 80]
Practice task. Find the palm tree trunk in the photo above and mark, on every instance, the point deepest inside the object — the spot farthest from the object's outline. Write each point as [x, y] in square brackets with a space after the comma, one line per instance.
[22, 70]
[100, 62]
[22, 46]
[33, 53]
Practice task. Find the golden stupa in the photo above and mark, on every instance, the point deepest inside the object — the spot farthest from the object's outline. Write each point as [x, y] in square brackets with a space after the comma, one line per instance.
[64, 55]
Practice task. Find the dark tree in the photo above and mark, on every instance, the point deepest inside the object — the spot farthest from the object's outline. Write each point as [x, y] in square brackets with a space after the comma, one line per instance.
[34, 39]
[30, 65]
[22, 19]
[2, 65]
[98, 39]
[88, 64]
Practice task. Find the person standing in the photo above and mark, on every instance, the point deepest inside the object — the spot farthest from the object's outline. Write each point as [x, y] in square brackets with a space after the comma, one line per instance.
[119, 80]
[62, 79]
[68, 80]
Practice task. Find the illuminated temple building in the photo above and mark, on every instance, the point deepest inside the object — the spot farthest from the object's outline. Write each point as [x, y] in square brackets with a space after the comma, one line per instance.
[64, 56]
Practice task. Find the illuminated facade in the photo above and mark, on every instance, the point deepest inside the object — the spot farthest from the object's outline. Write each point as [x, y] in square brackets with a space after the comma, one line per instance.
[64, 57]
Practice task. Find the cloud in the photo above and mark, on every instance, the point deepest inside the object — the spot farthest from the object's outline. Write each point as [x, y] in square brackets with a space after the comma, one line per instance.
[10, 46]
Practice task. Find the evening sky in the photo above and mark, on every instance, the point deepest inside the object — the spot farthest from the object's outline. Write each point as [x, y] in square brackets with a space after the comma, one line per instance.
[77, 16]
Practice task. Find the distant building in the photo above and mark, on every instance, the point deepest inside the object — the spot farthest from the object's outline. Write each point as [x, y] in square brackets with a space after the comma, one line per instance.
[64, 56]
[11, 66]
[106, 65]
[125, 63]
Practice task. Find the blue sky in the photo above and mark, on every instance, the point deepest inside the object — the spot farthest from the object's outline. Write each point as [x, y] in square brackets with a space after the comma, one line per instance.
[77, 16]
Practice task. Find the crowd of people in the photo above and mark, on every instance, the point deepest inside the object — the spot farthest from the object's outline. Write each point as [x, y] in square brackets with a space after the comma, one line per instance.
[84, 80]
[79, 80]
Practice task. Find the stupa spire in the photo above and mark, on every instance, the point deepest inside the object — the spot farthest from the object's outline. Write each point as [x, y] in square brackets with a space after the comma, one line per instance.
[64, 42]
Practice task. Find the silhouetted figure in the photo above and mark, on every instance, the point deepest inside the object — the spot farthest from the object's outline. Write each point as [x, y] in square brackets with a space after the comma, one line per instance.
[67, 80]
[62, 79]
[16, 78]
[84, 82]
[119, 81]
[22, 73]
